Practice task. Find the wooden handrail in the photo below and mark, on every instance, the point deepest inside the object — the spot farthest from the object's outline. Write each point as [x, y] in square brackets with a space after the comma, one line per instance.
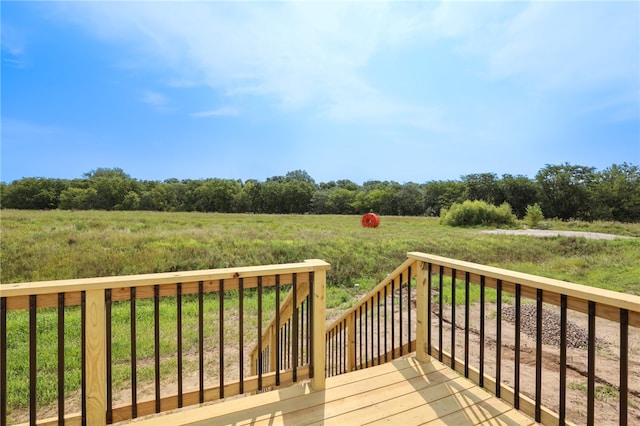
[578, 294]
[289, 308]
[95, 295]
[208, 276]
[385, 282]
[357, 329]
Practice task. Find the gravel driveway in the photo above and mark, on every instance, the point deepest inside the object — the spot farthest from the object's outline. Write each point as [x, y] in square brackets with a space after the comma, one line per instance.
[552, 233]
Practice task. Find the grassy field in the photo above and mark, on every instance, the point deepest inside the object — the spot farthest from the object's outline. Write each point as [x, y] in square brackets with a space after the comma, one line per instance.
[39, 245]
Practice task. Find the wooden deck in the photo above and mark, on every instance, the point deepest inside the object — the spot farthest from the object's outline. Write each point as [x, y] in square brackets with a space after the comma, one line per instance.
[401, 392]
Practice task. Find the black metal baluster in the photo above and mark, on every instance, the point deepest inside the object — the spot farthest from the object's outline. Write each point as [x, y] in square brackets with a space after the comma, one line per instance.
[221, 336]
[179, 339]
[294, 333]
[400, 318]
[466, 324]
[83, 357]
[310, 323]
[624, 365]
[108, 344]
[343, 331]
[3, 361]
[336, 344]
[201, 339]
[156, 346]
[302, 339]
[440, 302]
[289, 346]
[278, 349]
[33, 369]
[327, 354]
[563, 359]
[379, 358]
[260, 354]
[538, 355]
[385, 325]
[453, 319]
[409, 309]
[60, 358]
[481, 361]
[134, 356]
[591, 384]
[372, 333]
[366, 334]
[393, 320]
[360, 334]
[498, 336]
[516, 366]
[429, 289]
[241, 332]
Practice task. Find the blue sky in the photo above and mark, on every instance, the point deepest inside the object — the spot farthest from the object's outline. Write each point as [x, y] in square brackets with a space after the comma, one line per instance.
[403, 91]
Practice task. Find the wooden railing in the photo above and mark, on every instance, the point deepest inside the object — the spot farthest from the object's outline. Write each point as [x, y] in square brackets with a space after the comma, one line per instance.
[378, 329]
[287, 341]
[194, 314]
[471, 335]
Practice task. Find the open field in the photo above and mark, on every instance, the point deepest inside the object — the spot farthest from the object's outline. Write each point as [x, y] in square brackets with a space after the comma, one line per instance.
[49, 245]
[39, 245]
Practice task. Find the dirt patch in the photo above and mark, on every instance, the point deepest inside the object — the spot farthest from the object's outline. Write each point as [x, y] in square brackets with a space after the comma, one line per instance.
[607, 358]
[553, 233]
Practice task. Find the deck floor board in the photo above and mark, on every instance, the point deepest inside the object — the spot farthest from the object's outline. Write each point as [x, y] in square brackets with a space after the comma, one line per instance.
[404, 391]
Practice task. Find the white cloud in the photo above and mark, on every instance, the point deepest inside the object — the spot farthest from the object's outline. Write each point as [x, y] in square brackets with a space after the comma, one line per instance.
[157, 100]
[296, 55]
[225, 111]
[313, 55]
[565, 45]
[13, 45]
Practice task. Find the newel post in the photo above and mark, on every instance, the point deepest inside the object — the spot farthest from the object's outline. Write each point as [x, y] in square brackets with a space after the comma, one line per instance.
[421, 312]
[319, 328]
[95, 357]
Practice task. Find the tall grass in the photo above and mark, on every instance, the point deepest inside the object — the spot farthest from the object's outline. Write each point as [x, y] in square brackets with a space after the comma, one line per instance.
[52, 245]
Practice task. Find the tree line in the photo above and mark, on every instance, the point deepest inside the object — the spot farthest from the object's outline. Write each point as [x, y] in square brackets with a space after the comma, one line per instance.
[563, 191]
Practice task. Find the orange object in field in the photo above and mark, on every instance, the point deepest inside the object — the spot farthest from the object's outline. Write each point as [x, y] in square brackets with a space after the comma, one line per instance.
[370, 220]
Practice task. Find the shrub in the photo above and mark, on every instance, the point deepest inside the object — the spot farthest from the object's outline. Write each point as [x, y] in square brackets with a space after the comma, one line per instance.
[474, 213]
[533, 216]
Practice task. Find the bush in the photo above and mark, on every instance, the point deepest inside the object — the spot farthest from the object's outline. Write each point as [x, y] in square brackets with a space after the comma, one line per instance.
[474, 213]
[533, 216]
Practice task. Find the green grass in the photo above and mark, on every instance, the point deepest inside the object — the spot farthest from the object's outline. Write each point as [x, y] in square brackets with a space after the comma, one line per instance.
[38, 245]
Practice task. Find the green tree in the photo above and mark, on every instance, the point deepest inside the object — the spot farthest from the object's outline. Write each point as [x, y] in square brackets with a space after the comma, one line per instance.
[565, 191]
[33, 193]
[340, 201]
[217, 195]
[616, 193]
[481, 186]
[409, 200]
[377, 197]
[519, 191]
[441, 194]
[112, 186]
[76, 198]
